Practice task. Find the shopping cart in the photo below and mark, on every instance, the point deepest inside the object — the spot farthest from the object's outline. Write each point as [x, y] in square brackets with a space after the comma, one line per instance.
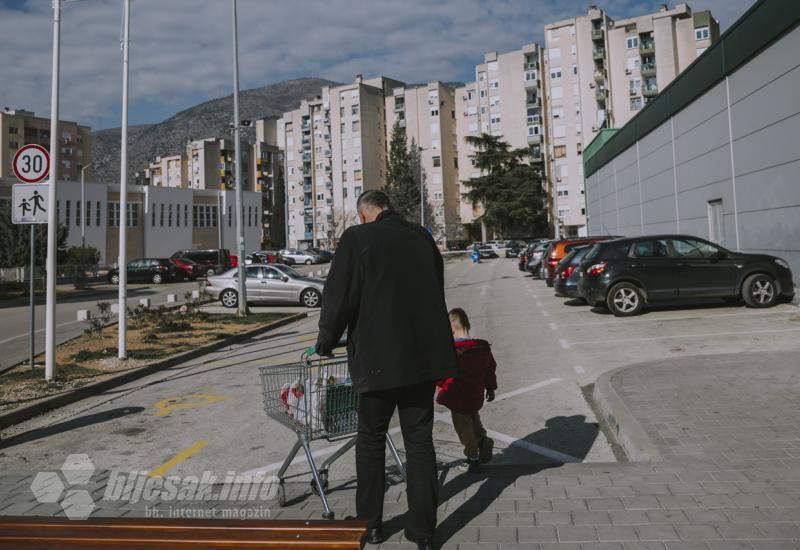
[316, 399]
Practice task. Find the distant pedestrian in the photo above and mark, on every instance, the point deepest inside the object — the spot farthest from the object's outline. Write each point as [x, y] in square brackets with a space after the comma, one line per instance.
[464, 395]
[386, 287]
[476, 256]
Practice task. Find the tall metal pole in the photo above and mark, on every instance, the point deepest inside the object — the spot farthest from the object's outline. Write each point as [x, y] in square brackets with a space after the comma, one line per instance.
[52, 220]
[86, 212]
[122, 345]
[33, 296]
[238, 168]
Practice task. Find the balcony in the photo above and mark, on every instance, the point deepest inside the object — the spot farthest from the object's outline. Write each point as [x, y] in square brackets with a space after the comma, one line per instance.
[599, 77]
[600, 95]
[647, 48]
[648, 69]
[307, 188]
[534, 139]
[536, 154]
[531, 82]
[598, 54]
[307, 172]
[308, 235]
[398, 107]
[308, 219]
[531, 66]
[650, 89]
[597, 33]
[306, 157]
[532, 101]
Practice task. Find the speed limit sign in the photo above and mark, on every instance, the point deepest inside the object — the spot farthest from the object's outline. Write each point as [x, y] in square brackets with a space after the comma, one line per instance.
[31, 164]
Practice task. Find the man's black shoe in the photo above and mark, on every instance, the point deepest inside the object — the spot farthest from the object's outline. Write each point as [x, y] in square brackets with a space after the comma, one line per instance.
[375, 535]
[425, 544]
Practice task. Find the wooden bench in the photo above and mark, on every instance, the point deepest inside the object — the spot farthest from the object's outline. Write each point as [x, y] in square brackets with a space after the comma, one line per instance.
[46, 533]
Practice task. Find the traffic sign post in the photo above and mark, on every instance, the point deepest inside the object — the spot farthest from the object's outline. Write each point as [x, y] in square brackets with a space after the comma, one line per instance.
[29, 205]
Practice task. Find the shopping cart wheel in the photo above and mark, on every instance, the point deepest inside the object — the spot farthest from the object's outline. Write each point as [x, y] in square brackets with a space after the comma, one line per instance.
[281, 495]
[323, 478]
[327, 515]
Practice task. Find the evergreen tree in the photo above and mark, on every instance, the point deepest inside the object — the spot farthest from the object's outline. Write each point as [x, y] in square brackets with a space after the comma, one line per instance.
[405, 176]
[509, 190]
[15, 244]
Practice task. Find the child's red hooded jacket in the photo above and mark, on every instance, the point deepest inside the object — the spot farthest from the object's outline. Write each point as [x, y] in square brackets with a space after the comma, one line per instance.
[477, 367]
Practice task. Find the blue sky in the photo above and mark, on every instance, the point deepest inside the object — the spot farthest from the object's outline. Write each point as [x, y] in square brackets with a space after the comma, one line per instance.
[181, 49]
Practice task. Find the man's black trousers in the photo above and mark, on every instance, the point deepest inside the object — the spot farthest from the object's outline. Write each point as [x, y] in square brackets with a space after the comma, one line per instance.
[415, 409]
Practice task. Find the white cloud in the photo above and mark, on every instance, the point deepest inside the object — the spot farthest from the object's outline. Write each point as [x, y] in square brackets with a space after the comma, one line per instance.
[181, 49]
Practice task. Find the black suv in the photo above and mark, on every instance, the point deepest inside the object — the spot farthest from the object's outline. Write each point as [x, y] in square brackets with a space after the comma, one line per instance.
[149, 270]
[624, 274]
[217, 260]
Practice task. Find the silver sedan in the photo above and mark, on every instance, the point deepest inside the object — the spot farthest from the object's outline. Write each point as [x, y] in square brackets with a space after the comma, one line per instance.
[275, 283]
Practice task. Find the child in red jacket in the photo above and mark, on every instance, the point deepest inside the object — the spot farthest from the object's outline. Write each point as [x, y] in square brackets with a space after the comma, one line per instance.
[464, 395]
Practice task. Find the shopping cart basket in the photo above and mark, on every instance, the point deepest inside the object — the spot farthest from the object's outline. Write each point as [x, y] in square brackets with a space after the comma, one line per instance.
[315, 398]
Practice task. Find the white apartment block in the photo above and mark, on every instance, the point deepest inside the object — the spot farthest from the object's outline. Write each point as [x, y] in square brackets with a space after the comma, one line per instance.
[335, 148]
[505, 100]
[428, 114]
[599, 73]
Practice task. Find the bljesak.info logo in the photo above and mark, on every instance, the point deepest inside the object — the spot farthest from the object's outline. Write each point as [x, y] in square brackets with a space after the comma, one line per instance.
[78, 495]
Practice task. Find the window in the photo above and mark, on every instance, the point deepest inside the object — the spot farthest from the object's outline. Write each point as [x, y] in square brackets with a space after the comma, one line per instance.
[558, 112]
[230, 215]
[559, 151]
[574, 69]
[555, 73]
[133, 214]
[13, 130]
[437, 162]
[650, 249]
[455, 162]
[88, 213]
[495, 120]
[13, 145]
[701, 33]
[632, 42]
[692, 248]
[573, 50]
[562, 212]
[494, 84]
[97, 215]
[356, 125]
[716, 230]
[634, 84]
[249, 216]
[344, 176]
[481, 76]
[77, 213]
[483, 94]
[434, 112]
[636, 104]
[356, 175]
[344, 192]
[354, 110]
[186, 215]
[66, 217]
[563, 192]
[357, 190]
[113, 214]
[161, 216]
[634, 62]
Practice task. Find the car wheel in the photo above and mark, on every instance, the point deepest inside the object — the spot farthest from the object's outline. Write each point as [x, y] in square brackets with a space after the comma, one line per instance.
[310, 297]
[759, 290]
[157, 279]
[229, 298]
[115, 279]
[308, 262]
[625, 300]
[210, 272]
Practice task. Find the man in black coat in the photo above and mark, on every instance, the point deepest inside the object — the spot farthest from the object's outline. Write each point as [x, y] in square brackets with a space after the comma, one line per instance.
[386, 287]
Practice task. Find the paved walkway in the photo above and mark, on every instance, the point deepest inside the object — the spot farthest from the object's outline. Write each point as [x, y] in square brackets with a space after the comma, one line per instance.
[728, 428]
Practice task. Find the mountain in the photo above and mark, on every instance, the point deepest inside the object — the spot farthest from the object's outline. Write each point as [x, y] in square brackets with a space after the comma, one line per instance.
[209, 119]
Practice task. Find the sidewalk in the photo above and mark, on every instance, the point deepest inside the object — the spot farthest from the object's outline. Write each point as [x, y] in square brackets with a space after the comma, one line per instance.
[728, 428]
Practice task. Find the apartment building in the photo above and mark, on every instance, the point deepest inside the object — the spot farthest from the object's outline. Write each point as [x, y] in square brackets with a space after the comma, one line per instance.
[428, 114]
[19, 128]
[599, 73]
[506, 100]
[265, 176]
[335, 148]
[167, 171]
[160, 220]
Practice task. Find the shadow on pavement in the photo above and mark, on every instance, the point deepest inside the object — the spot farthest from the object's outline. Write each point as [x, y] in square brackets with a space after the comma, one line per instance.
[569, 435]
[685, 305]
[69, 425]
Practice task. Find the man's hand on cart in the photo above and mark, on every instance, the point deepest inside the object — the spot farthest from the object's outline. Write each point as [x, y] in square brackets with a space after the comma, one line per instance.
[324, 349]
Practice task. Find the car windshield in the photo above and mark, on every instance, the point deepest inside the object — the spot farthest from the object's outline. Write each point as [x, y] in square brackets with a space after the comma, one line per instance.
[288, 271]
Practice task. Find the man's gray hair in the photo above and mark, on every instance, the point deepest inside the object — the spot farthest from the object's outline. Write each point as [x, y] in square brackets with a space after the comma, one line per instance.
[373, 198]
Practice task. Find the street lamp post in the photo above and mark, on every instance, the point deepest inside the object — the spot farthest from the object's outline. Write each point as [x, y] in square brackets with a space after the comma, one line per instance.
[122, 315]
[242, 301]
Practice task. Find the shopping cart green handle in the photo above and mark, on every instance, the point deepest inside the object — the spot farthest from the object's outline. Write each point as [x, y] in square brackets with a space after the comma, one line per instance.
[312, 350]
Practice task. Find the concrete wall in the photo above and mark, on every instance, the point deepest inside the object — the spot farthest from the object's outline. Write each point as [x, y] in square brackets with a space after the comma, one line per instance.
[737, 143]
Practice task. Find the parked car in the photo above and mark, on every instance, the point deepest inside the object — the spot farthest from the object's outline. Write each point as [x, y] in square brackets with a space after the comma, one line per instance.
[523, 256]
[486, 252]
[325, 256]
[568, 272]
[215, 260]
[534, 261]
[559, 249]
[513, 248]
[191, 270]
[626, 274]
[274, 283]
[149, 270]
[299, 256]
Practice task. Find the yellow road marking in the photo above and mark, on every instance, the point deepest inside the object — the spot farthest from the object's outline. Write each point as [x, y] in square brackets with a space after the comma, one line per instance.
[166, 406]
[178, 458]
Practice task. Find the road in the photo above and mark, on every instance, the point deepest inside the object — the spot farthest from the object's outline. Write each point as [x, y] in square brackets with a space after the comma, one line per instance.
[208, 415]
[14, 333]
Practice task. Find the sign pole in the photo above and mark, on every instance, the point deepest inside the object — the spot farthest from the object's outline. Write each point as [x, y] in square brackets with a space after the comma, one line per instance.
[32, 291]
[52, 221]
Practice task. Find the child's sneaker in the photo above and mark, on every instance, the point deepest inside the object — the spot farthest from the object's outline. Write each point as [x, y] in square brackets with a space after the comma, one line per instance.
[486, 447]
[471, 466]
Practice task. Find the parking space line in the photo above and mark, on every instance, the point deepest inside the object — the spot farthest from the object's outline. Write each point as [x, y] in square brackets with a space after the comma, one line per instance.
[553, 326]
[683, 318]
[654, 338]
[178, 458]
[527, 389]
[564, 344]
[545, 314]
[579, 370]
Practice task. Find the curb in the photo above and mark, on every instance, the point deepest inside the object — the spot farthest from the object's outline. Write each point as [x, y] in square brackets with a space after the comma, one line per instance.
[627, 430]
[50, 403]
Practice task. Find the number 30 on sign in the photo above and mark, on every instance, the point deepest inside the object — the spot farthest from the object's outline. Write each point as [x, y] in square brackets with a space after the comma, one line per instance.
[31, 164]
